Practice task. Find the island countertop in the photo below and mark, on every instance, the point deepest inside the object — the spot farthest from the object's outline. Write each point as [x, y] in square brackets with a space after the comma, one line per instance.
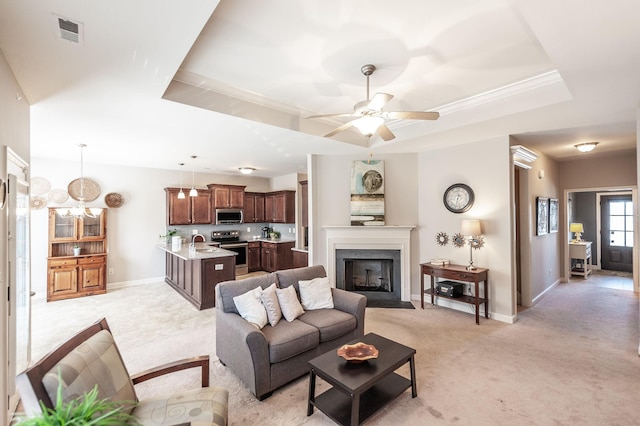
[203, 251]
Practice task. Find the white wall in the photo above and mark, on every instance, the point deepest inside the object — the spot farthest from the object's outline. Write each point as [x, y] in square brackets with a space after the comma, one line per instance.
[14, 133]
[133, 229]
[485, 167]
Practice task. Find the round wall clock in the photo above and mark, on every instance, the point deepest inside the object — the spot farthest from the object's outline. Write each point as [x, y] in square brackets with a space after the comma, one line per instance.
[458, 198]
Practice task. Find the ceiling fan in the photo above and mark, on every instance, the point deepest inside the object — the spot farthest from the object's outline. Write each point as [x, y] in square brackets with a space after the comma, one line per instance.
[369, 117]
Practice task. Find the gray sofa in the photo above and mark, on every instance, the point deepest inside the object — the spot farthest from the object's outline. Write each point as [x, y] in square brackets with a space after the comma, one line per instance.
[269, 358]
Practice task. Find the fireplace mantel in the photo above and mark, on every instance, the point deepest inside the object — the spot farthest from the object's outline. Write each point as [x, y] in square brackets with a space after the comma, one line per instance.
[372, 238]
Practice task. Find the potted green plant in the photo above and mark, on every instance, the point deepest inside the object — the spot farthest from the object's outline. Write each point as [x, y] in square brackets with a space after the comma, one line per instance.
[85, 410]
[76, 250]
[170, 233]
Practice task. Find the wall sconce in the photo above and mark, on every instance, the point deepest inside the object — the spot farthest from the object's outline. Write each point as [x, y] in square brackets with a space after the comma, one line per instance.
[471, 228]
[578, 229]
[586, 147]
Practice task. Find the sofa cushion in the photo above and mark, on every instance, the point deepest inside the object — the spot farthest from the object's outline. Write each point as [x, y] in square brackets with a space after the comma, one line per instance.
[289, 303]
[271, 305]
[230, 289]
[288, 339]
[331, 323]
[290, 277]
[316, 294]
[251, 308]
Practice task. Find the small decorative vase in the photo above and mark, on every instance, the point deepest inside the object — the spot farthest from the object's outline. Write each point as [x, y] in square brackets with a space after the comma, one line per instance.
[76, 251]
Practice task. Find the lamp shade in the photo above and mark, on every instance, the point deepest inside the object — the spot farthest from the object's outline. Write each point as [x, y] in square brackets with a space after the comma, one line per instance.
[576, 227]
[471, 227]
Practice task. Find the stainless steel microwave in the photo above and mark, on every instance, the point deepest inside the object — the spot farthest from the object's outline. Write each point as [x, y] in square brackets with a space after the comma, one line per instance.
[228, 216]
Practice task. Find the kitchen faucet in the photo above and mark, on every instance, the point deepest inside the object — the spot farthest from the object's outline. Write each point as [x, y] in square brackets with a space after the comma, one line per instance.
[192, 246]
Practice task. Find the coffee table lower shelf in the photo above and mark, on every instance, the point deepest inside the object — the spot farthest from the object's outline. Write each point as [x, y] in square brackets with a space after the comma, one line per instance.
[337, 405]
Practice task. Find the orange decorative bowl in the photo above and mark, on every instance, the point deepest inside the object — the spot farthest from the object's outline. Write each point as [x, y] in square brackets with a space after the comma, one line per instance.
[358, 352]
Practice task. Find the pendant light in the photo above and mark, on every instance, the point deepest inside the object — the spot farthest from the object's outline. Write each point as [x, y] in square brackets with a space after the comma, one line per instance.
[80, 210]
[181, 193]
[193, 192]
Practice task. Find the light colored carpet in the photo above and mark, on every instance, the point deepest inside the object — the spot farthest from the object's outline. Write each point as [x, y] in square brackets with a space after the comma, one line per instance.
[571, 359]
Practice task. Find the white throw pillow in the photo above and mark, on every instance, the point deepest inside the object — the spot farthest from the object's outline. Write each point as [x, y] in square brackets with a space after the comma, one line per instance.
[270, 301]
[250, 307]
[289, 304]
[316, 294]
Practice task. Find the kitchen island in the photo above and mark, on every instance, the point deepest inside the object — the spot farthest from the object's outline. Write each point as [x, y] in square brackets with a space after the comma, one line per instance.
[196, 275]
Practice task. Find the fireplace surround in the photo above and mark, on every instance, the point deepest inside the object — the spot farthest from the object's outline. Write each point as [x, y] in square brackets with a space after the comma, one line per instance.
[379, 238]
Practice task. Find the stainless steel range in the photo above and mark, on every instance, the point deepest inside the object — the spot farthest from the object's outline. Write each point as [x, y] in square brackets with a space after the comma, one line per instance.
[230, 240]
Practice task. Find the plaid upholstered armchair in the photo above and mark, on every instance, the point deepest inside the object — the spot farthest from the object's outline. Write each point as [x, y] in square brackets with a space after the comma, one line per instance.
[91, 357]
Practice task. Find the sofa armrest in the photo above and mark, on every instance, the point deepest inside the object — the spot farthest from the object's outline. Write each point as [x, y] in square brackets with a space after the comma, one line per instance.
[350, 302]
[244, 350]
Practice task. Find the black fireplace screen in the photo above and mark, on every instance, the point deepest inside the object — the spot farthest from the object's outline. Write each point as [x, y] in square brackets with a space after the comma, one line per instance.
[375, 273]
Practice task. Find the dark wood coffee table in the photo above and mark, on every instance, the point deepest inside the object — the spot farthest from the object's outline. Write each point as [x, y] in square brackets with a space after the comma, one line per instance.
[361, 389]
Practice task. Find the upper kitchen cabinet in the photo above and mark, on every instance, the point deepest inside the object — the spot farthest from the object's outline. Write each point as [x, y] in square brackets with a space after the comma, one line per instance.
[189, 210]
[227, 196]
[280, 207]
[253, 207]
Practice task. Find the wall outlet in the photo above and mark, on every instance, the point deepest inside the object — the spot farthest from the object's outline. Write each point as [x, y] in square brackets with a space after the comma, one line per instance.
[194, 232]
[248, 229]
[219, 266]
[111, 271]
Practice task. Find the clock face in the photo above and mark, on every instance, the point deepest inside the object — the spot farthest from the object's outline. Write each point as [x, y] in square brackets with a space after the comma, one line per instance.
[458, 198]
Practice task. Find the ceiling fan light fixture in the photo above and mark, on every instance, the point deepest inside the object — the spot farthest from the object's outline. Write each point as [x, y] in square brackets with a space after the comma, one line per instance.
[368, 124]
[586, 147]
[246, 170]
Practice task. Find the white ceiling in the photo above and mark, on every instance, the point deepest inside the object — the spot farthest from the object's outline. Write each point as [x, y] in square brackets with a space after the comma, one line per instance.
[153, 82]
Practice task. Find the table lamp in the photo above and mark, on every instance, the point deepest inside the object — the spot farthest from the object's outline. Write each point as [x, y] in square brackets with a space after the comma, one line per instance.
[578, 229]
[471, 228]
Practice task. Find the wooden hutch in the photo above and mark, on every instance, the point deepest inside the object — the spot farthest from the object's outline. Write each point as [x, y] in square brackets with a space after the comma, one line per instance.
[79, 275]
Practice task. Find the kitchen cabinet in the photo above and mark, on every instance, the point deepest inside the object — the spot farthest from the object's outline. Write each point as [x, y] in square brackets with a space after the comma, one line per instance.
[253, 255]
[276, 256]
[280, 207]
[304, 208]
[72, 276]
[254, 207]
[196, 279]
[300, 258]
[189, 210]
[227, 196]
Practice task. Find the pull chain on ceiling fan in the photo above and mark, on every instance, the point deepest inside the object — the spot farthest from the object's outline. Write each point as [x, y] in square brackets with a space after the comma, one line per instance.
[369, 117]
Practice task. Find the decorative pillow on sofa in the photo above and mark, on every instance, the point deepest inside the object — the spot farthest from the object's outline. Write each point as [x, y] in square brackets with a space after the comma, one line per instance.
[316, 294]
[250, 307]
[270, 301]
[289, 304]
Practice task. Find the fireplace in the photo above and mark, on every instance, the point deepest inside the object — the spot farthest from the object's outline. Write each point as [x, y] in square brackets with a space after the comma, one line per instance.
[374, 273]
[381, 245]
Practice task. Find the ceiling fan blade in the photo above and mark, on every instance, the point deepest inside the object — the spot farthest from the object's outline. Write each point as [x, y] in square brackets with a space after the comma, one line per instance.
[345, 114]
[385, 133]
[411, 115]
[344, 127]
[379, 100]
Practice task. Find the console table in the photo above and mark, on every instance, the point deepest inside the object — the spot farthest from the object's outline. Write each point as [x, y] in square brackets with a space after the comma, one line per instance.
[458, 273]
[581, 251]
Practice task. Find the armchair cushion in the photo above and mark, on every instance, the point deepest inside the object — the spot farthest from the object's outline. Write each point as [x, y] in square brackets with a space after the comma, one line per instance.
[95, 361]
[205, 406]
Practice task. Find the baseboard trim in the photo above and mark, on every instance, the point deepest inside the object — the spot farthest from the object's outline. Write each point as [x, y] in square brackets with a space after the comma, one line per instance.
[122, 284]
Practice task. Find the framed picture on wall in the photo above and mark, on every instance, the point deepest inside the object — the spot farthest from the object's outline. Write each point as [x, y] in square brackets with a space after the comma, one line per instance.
[542, 215]
[553, 215]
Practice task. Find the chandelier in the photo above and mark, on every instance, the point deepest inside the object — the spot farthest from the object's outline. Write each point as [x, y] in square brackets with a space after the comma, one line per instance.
[80, 210]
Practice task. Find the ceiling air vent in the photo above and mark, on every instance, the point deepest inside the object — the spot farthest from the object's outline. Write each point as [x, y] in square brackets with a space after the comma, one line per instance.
[69, 30]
